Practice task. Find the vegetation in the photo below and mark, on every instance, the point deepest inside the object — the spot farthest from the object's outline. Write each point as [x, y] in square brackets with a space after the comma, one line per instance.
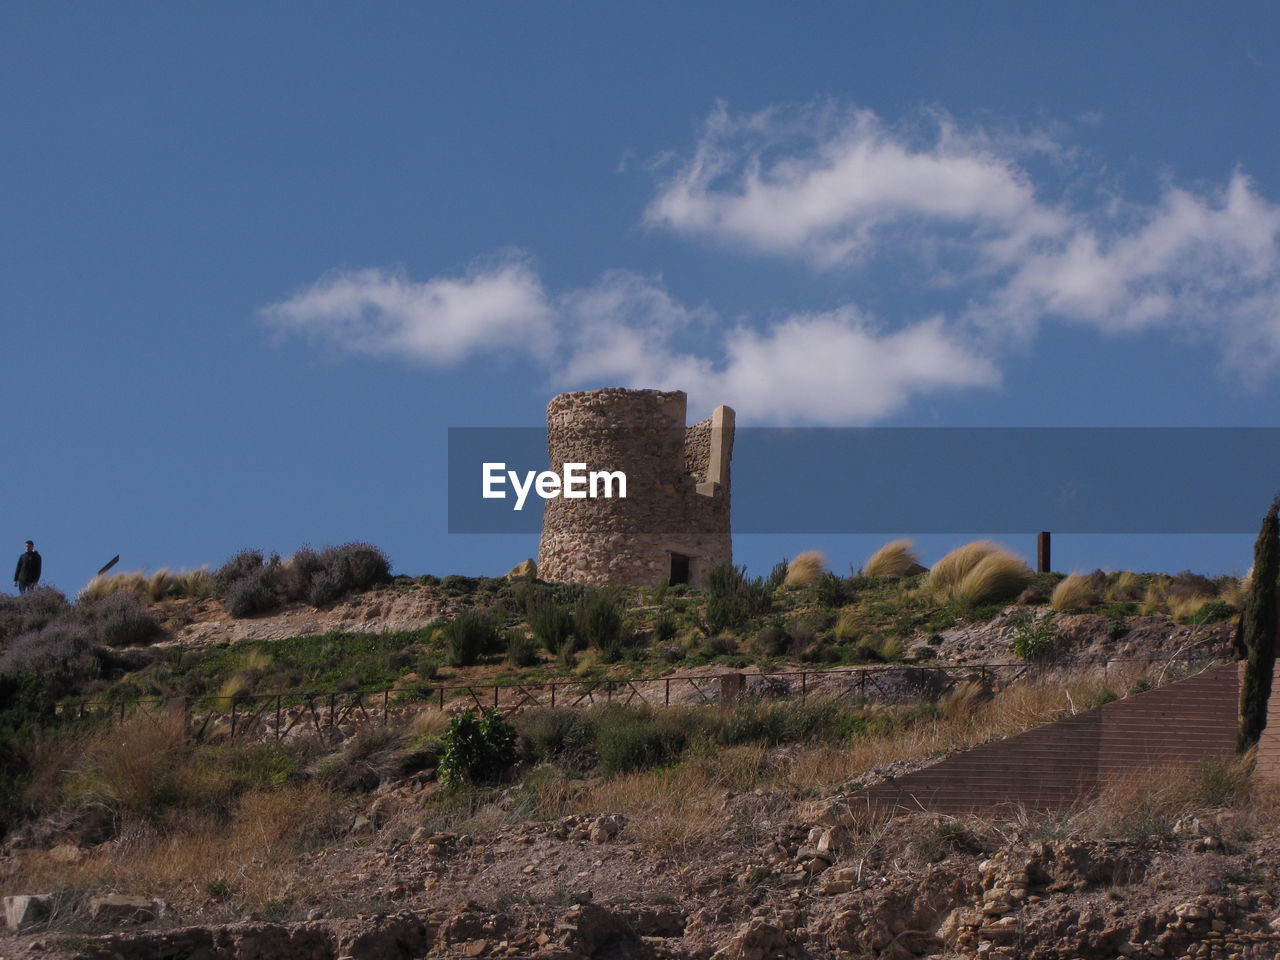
[976, 573]
[1073, 593]
[895, 559]
[478, 748]
[805, 569]
[1258, 629]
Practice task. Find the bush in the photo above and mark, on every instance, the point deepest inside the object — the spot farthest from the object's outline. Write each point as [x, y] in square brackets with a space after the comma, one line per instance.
[467, 637]
[244, 564]
[551, 622]
[1033, 639]
[895, 559]
[522, 650]
[778, 575]
[31, 611]
[557, 734]
[830, 590]
[55, 661]
[1208, 611]
[627, 740]
[598, 621]
[253, 594]
[119, 620]
[665, 626]
[478, 748]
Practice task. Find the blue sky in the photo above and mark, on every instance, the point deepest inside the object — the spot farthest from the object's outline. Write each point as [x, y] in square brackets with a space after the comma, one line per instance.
[256, 258]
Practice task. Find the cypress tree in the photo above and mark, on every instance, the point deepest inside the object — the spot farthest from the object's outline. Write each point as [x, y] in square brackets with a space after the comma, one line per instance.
[1259, 630]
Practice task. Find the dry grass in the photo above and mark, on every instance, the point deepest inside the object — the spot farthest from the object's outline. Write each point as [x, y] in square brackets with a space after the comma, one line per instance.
[1074, 592]
[895, 559]
[1126, 587]
[161, 585]
[249, 856]
[978, 572]
[1153, 601]
[429, 723]
[805, 569]
[1187, 606]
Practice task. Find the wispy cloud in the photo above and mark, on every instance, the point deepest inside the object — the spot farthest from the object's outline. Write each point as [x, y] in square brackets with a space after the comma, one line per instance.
[839, 187]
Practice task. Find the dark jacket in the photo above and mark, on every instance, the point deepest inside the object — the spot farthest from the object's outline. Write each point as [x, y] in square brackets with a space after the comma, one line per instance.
[28, 569]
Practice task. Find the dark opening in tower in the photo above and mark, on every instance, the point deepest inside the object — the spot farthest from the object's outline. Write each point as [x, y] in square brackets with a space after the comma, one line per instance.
[680, 568]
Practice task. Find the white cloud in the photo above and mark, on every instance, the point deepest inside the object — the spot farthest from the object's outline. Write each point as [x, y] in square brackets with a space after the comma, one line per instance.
[627, 330]
[828, 188]
[838, 368]
[838, 188]
[439, 321]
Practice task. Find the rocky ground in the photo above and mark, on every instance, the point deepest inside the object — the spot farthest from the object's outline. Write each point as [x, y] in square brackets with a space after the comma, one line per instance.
[771, 876]
[783, 879]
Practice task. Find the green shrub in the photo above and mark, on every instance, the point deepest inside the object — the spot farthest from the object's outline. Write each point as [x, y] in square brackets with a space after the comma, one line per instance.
[478, 748]
[778, 575]
[665, 626]
[1034, 639]
[830, 590]
[467, 637]
[558, 734]
[522, 650]
[1213, 611]
[629, 740]
[551, 622]
[598, 621]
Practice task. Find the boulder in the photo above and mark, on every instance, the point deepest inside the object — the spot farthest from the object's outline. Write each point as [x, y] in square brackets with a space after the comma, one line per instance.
[524, 570]
[25, 909]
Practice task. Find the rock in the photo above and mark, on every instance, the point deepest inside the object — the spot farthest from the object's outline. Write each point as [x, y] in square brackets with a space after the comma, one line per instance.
[604, 829]
[119, 909]
[25, 909]
[755, 940]
[524, 570]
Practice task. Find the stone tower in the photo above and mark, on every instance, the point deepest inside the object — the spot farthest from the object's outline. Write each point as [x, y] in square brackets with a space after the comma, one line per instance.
[673, 525]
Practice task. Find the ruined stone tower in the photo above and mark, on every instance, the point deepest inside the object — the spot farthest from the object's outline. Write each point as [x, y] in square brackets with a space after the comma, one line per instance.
[673, 525]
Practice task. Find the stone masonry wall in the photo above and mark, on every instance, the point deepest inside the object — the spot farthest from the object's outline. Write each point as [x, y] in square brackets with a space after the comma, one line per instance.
[629, 541]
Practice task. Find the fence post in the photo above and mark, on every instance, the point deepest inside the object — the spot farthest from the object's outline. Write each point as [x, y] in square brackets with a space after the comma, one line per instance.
[804, 685]
[495, 696]
[553, 694]
[279, 718]
[386, 700]
[666, 699]
[442, 697]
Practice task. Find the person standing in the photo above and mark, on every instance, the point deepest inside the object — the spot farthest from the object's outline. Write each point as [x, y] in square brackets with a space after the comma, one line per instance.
[27, 573]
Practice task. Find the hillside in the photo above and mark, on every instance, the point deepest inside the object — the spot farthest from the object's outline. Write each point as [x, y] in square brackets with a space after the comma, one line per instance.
[636, 830]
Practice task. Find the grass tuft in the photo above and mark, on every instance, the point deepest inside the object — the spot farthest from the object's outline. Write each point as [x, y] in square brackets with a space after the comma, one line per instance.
[1074, 592]
[806, 569]
[895, 559]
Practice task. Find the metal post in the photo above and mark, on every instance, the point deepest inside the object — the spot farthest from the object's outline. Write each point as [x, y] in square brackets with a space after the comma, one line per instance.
[1043, 561]
[386, 698]
[442, 698]
[666, 700]
[495, 696]
[804, 685]
[553, 694]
